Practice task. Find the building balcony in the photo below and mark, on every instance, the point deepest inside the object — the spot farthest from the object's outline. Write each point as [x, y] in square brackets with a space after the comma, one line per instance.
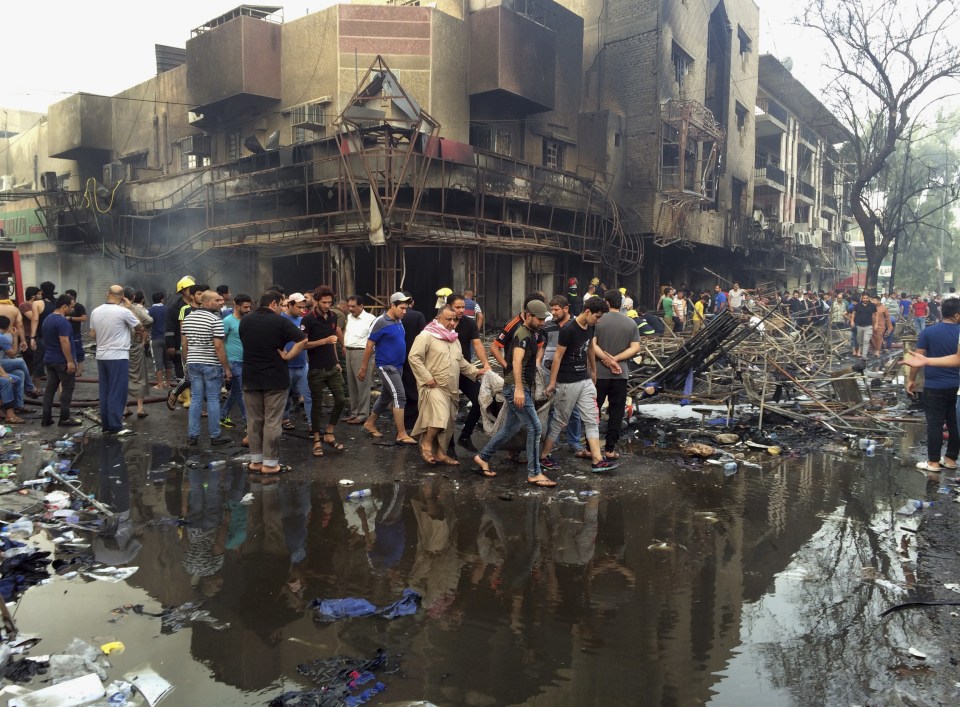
[829, 203]
[806, 191]
[771, 118]
[770, 177]
[809, 137]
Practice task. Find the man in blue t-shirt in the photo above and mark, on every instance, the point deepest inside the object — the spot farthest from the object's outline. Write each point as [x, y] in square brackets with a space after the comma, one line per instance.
[939, 386]
[388, 338]
[719, 300]
[231, 330]
[59, 362]
[299, 388]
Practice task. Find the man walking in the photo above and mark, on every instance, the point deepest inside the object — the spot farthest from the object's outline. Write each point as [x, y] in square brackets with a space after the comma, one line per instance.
[76, 318]
[59, 362]
[387, 337]
[862, 319]
[162, 363]
[234, 347]
[186, 287]
[357, 331]
[266, 380]
[617, 335]
[519, 378]
[550, 331]
[295, 309]
[42, 308]
[207, 366]
[323, 334]
[937, 349]
[111, 327]
[437, 362]
[573, 377]
[468, 336]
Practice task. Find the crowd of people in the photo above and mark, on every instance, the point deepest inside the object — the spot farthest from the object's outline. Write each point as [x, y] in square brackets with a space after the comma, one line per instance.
[280, 353]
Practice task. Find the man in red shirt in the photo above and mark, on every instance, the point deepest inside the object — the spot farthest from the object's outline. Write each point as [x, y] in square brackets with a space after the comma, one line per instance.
[920, 311]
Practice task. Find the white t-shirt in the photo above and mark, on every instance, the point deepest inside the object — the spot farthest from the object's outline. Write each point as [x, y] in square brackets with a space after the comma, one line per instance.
[736, 298]
[113, 325]
[358, 330]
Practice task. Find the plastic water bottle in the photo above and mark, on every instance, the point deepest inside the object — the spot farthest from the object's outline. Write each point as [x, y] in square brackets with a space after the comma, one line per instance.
[217, 464]
[358, 494]
[912, 506]
[865, 442]
[730, 468]
[871, 450]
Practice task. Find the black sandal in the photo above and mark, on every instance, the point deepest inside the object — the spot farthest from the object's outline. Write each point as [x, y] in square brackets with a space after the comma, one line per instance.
[335, 445]
[317, 448]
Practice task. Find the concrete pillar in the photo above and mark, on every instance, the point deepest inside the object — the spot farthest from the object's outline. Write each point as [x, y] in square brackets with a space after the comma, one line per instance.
[263, 276]
[459, 264]
[518, 282]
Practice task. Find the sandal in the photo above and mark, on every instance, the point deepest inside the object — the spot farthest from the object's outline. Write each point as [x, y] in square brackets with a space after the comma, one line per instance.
[14, 421]
[287, 425]
[483, 468]
[428, 456]
[583, 454]
[254, 467]
[142, 415]
[542, 483]
[611, 455]
[282, 469]
[335, 445]
[373, 433]
[447, 461]
[317, 448]
[408, 441]
[925, 466]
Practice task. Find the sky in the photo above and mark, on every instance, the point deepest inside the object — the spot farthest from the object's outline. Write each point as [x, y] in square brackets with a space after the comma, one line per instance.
[55, 48]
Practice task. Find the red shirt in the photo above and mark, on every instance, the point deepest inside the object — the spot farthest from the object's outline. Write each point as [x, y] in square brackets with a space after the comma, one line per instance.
[920, 309]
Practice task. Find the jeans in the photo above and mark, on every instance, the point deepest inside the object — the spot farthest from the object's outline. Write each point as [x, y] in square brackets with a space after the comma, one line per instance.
[524, 417]
[57, 376]
[236, 392]
[112, 374]
[18, 365]
[299, 387]
[206, 380]
[920, 323]
[79, 355]
[939, 407]
[616, 390]
[332, 380]
[7, 392]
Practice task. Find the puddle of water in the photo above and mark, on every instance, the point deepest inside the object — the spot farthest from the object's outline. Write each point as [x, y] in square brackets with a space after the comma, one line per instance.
[687, 586]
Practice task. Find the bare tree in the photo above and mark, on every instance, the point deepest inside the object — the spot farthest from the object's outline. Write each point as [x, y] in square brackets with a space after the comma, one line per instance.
[889, 61]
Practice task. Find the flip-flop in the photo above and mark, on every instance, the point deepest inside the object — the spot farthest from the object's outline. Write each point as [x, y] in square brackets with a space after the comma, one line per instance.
[428, 457]
[317, 448]
[611, 455]
[254, 469]
[407, 441]
[288, 426]
[487, 473]
[283, 469]
[373, 433]
[543, 483]
[447, 461]
[925, 466]
[583, 454]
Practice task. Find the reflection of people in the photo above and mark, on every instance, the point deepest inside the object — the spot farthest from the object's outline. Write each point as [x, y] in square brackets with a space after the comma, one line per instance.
[437, 362]
[205, 534]
[361, 517]
[436, 569]
[116, 545]
[391, 536]
[294, 497]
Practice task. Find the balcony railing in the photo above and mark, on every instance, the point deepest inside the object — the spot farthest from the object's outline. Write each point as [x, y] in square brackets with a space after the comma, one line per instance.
[807, 135]
[805, 189]
[771, 173]
[829, 202]
[773, 109]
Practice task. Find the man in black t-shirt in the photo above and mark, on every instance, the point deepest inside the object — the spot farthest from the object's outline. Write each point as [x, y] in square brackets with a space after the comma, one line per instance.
[470, 342]
[573, 376]
[518, 383]
[323, 333]
[862, 319]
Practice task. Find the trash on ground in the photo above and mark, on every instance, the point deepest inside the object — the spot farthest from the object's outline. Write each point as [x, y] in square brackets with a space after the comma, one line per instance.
[334, 609]
[78, 691]
[148, 683]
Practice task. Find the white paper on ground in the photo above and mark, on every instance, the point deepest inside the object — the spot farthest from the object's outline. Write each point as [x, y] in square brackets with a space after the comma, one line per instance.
[111, 574]
[78, 691]
[149, 683]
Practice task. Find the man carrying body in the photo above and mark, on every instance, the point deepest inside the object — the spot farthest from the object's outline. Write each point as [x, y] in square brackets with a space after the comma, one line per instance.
[355, 336]
[207, 365]
[436, 359]
[519, 377]
[387, 337]
[469, 338]
[502, 342]
[61, 368]
[617, 335]
[266, 380]
[111, 327]
[573, 377]
[234, 347]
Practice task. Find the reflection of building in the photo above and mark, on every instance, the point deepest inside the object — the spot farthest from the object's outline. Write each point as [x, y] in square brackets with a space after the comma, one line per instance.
[801, 221]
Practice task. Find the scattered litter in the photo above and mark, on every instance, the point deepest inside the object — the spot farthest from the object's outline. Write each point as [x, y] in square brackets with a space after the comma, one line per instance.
[912, 506]
[346, 482]
[334, 609]
[149, 684]
[696, 449]
[247, 499]
[78, 691]
[952, 586]
[111, 574]
[916, 654]
[112, 647]
[338, 680]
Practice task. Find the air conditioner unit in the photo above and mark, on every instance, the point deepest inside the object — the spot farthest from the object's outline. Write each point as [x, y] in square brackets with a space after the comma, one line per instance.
[803, 238]
[309, 116]
[114, 173]
[198, 145]
[786, 230]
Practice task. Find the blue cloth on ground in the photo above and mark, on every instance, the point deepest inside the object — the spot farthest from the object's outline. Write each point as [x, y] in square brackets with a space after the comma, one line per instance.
[334, 609]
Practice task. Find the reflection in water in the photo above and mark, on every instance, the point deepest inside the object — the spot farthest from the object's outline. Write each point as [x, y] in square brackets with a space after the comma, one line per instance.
[694, 587]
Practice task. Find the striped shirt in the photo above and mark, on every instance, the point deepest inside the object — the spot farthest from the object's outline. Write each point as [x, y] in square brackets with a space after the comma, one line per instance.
[201, 327]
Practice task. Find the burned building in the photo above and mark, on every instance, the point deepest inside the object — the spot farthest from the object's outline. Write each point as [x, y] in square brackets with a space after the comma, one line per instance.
[496, 145]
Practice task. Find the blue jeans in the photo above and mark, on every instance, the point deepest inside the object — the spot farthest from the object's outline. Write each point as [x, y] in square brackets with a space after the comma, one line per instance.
[524, 417]
[236, 392]
[112, 374]
[17, 380]
[920, 323]
[299, 386]
[206, 380]
[7, 392]
[11, 365]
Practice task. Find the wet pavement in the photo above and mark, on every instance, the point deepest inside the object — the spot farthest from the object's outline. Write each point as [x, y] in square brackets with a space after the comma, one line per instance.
[657, 584]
